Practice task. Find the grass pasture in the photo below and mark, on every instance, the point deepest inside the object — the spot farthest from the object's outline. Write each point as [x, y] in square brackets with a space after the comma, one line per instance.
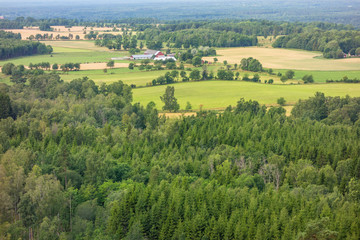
[220, 94]
[322, 76]
[140, 78]
[70, 51]
[278, 58]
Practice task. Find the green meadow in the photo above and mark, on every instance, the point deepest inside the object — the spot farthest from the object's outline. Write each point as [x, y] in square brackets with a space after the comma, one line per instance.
[322, 76]
[70, 55]
[219, 94]
[210, 94]
[140, 78]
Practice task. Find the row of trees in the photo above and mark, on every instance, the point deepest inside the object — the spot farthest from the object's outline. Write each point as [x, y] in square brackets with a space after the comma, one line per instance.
[253, 27]
[117, 42]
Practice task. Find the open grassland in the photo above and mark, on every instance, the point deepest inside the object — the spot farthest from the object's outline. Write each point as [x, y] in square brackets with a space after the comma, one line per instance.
[139, 78]
[322, 76]
[220, 94]
[63, 54]
[76, 45]
[62, 31]
[135, 76]
[278, 58]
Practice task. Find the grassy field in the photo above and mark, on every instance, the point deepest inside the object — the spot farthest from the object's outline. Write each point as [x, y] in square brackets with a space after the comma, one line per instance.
[220, 94]
[70, 51]
[278, 58]
[322, 76]
[61, 55]
[140, 78]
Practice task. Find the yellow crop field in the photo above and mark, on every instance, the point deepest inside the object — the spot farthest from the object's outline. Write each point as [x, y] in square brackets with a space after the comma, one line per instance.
[278, 58]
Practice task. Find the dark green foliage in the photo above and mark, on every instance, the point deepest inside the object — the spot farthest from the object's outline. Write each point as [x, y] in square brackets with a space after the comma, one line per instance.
[332, 43]
[196, 37]
[251, 64]
[5, 106]
[281, 101]
[289, 74]
[225, 75]
[82, 162]
[329, 109]
[10, 48]
[308, 78]
[169, 100]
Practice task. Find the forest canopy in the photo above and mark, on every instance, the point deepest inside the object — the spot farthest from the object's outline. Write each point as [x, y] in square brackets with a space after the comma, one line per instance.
[82, 161]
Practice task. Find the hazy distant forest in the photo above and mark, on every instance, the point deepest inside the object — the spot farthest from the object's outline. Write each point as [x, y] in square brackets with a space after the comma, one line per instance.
[345, 12]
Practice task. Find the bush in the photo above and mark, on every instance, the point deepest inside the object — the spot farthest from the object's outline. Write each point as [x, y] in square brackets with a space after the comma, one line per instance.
[281, 101]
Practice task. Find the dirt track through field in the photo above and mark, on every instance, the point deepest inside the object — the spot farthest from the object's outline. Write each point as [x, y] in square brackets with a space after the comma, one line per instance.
[94, 66]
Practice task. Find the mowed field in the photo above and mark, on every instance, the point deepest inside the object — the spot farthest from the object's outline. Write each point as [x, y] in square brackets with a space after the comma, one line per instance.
[220, 94]
[278, 58]
[322, 76]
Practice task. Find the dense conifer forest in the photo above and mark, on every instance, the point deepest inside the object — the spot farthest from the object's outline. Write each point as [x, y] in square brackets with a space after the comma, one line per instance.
[81, 161]
[11, 46]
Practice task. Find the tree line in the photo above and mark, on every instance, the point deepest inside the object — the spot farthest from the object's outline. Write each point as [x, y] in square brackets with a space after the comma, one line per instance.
[332, 43]
[12, 46]
[198, 37]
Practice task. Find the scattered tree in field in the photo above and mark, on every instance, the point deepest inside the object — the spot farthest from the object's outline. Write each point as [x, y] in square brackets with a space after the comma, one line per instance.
[289, 74]
[308, 78]
[111, 64]
[225, 62]
[281, 101]
[196, 61]
[131, 66]
[195, 75]
[169, 100]
[188, 106]
[251, 64]
[283, 79]
[55, 66]
[215, 60]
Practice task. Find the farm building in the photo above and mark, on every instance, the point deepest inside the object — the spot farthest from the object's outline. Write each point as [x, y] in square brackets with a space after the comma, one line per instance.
[140, 57]
[154, 53]
[159, 54]
[150, 52]
[163, 58]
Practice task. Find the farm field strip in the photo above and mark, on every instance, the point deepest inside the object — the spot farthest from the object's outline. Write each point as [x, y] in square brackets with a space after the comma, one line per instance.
[219, 94]
[278, 58]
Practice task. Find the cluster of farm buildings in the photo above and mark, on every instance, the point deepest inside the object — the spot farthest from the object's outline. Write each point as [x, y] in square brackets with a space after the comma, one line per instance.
[153, 54]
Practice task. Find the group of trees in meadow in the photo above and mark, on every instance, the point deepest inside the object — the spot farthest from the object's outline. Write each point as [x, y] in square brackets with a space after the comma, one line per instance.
[115, 42]
[332, 43]
[251, 64]
[81, 161]
[11, 46]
